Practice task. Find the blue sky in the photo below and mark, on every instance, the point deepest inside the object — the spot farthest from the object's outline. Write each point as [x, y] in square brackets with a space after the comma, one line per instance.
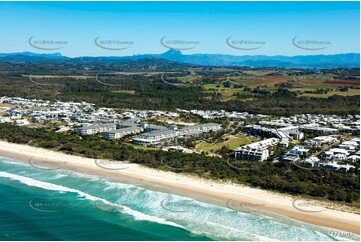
[274, 24]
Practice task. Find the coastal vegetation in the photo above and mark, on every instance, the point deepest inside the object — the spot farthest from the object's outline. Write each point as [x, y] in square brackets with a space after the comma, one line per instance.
[282, 177]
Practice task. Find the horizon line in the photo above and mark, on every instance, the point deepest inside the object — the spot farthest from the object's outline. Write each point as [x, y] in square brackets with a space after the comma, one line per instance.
[120, 56]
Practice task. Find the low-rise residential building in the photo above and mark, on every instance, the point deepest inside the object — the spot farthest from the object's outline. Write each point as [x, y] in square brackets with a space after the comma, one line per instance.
[291, 158]
[312, 161]
[336, 167]
[5, 120]
[119, 133]
[256, 151]
[318, 129]
[99, 128]
[159, 135]
[335, 154]
[297, 150]
[21, 122]
[353, 158]
[284, 143]
[320, 140]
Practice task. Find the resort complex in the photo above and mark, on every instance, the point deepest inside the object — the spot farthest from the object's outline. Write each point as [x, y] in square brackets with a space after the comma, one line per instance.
[309, 140]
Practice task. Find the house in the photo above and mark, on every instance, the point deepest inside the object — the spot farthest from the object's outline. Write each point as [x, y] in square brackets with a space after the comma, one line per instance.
[349, 145]
[296, 135]
[297, 150]
[312, 161]
[291, 158]
[21, 122]
[353, 158]
[284, 143]
[335, 154]
[5, 119]
[62, 128]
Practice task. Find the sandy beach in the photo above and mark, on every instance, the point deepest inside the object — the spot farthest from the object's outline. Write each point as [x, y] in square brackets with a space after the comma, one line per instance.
[233, 196]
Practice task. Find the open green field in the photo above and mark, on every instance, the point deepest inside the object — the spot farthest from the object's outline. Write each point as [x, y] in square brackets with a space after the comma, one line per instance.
[350, 92]
[227, 93]
[232, 143]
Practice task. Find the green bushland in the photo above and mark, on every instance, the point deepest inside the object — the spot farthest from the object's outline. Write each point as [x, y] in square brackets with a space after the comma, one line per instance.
[281, 177]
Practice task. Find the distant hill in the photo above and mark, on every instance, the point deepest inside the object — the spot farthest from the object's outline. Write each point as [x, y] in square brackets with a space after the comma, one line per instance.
[301, 61]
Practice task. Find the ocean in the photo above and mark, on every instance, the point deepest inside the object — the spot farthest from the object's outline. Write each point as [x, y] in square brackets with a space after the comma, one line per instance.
[54, 204]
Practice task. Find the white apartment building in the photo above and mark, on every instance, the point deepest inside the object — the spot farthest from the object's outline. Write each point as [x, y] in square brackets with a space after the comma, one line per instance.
[158, 136]
[93, 129]
[119, 133]
[256, 151]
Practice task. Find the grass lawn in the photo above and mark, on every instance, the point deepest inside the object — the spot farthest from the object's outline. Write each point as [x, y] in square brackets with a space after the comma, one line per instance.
[231, 143]
[140, 147]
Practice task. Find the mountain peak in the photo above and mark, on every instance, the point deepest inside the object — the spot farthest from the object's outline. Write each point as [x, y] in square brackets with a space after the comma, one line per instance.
[172, 52]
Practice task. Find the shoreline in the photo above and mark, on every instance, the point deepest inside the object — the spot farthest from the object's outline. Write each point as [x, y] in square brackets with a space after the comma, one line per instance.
[219, 193]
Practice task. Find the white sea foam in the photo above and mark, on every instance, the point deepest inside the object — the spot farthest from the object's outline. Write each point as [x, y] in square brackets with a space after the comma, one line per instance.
[8, 161]
[82, 175]
[202, 218]
[53, 187]
[57, 176]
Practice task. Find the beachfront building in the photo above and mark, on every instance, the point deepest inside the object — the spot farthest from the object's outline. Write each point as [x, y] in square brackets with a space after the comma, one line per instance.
[294, 154]
[159, 135]
[336, 167]
[119, 133]
[256, 151]
[93, 129]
